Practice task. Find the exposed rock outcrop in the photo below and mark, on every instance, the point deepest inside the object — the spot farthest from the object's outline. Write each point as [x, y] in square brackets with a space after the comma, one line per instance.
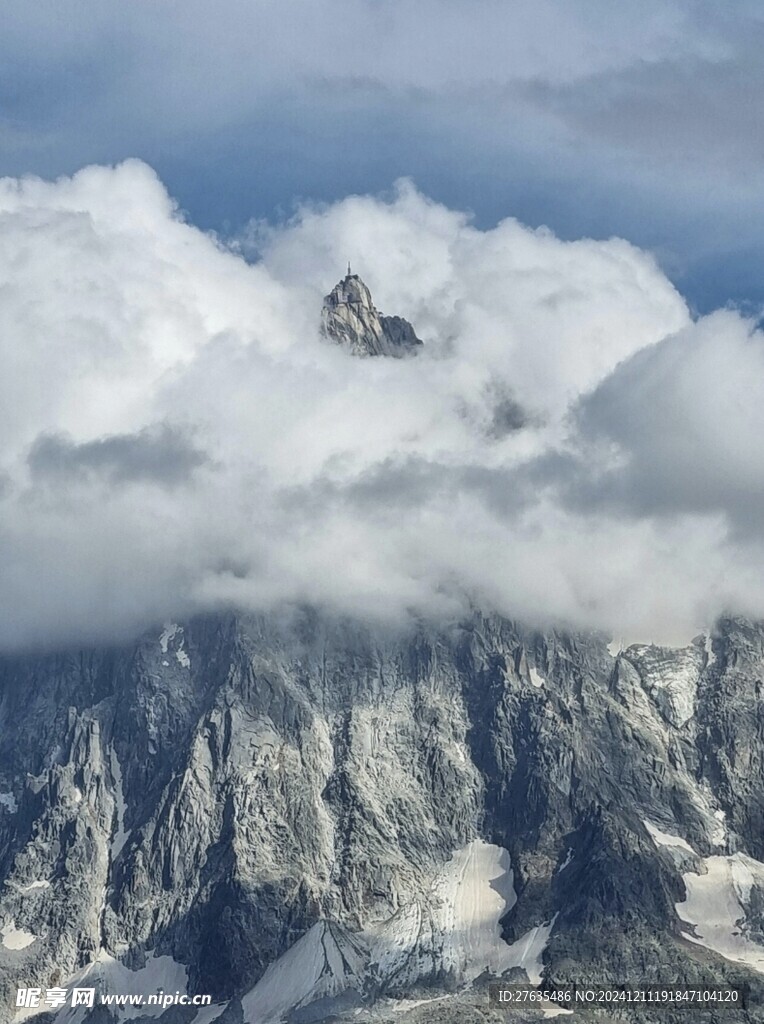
[315, 818]
[349, 318]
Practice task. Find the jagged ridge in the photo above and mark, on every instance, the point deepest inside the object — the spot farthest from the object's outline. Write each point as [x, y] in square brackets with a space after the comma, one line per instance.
[204, 800]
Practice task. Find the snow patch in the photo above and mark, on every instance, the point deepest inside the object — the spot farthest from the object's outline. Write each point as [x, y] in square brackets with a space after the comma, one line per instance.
[743, 878]
[670, 676]
[665, 839]
[109, 976]
[35, 885]
[8, 801]
[324, 963]
[207, 1014]
[460, 752]
[528, 952]
[16, 938]
[167, 634]
[455, 929]
[473, 892]
[404, 1005]
[716, 908]
[568, 859]
[719, 835]
[536, 678]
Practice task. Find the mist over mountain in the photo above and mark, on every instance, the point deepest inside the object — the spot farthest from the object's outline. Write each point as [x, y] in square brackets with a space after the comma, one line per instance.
[381, 512]
[329, 683]
[568, 446]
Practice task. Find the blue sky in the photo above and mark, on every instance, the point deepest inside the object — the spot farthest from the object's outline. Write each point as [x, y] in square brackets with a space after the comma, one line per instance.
[591, 117]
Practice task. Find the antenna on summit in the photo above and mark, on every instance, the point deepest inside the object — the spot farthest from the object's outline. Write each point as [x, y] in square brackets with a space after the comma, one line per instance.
[349, 274]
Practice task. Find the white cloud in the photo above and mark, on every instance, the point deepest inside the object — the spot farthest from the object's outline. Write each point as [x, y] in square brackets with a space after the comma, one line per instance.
[132, 342]
[686, 417]
[642, 119]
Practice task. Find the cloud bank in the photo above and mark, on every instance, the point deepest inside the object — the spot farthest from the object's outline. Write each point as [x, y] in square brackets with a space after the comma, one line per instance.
[570, 447]
[641, 120]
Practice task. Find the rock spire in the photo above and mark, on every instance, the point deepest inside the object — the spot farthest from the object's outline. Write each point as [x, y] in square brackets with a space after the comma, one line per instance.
[350, 318]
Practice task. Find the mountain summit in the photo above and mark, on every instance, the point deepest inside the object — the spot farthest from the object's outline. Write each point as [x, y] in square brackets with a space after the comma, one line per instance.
[350, 318]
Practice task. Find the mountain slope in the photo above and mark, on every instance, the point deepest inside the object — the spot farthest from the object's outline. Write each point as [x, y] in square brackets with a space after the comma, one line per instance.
[381, 815]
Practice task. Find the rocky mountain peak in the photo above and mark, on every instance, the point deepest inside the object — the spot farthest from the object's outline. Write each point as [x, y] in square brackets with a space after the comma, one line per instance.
[314, 819]
[350, 318]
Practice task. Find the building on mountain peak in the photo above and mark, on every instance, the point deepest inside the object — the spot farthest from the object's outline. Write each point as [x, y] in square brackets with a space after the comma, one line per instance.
[350, 318]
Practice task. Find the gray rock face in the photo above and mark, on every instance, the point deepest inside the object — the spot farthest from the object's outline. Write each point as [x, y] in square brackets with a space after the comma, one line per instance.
[349, 318]
[311, 820]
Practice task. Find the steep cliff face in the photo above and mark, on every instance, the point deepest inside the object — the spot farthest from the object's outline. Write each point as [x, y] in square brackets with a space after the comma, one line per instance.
[312, 817]
[350, 318]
